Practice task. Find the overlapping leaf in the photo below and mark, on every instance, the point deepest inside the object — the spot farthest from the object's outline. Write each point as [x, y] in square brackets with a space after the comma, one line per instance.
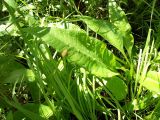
[83, 50]
[12, 5]
[117, 31]
[119, 20]
[11, 71]
[42, 111]
[106, 30]
[152, 82]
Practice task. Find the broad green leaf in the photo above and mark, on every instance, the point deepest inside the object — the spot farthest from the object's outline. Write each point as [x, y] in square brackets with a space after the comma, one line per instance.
[152, 82]
[119, 20]
[39, 109]
[83, 50]
[11, 70]
[17, 75]
[117, 87]
[23, 111]
[106, 30]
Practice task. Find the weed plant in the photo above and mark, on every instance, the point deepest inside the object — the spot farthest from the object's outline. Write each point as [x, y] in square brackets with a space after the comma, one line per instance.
[79, 60]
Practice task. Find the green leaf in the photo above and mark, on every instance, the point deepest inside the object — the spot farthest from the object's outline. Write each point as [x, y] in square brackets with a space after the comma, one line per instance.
[107, 30]
[9, 116]
[39, 109]
[119, 20]
[8, 29]
[83, 50]
[11, 71]
[30, 75]
[33, 87]
[12, 4]
[157, 59]
[152, 82]
[15, 76]
[23, 111]
[117, 87]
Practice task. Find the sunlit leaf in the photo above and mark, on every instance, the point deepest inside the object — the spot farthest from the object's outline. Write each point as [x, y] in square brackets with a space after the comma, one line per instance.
[83, 50]
[8, 28]
[119, 20]
[106, 30]
[12, 4]
[30, 75]
[152, 82]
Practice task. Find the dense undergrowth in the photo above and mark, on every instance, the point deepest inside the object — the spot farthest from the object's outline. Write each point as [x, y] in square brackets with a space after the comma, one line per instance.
[79, 60]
